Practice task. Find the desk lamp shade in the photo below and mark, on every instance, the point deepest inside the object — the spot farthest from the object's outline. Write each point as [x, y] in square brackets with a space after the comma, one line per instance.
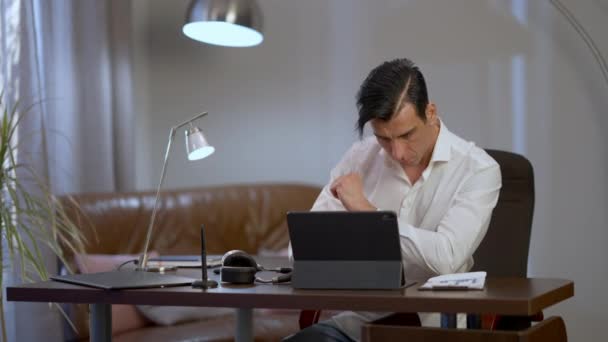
[197, 146]
[236, 23]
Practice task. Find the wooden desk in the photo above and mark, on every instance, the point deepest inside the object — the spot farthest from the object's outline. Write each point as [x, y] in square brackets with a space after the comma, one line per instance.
[507, 296]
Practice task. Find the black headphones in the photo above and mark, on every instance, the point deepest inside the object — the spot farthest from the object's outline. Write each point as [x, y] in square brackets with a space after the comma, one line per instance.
[238, 267]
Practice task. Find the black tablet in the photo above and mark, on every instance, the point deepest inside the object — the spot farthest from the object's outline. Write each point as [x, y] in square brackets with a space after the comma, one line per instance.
[346, 250]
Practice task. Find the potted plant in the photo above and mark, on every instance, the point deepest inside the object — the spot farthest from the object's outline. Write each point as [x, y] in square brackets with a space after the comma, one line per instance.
[31, 217]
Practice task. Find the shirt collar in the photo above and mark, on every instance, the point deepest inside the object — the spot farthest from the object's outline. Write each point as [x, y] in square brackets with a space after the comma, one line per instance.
[442, 150]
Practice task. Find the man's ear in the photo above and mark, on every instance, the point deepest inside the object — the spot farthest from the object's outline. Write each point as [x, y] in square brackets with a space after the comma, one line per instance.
[431, 114]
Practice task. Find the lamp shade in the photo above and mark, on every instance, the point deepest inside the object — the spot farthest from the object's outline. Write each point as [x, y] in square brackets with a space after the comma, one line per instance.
[235, 23]
[197, 146]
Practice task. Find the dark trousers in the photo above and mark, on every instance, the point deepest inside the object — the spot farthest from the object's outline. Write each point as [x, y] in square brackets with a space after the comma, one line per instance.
[319, 332]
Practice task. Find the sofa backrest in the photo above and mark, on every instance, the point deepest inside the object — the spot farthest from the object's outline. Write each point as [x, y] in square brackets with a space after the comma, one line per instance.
[248, 217]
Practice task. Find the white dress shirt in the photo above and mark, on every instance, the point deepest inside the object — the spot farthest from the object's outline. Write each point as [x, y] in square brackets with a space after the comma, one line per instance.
[442, 217]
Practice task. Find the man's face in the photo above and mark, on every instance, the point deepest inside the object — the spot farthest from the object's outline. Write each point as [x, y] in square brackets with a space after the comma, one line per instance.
[406, 137]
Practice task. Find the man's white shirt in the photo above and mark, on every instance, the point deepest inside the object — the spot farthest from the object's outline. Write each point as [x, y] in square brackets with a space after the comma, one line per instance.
[442, 217]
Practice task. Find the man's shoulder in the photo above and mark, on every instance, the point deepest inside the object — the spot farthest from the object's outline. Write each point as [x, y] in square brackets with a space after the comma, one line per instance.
[465, 149]
[361, 154]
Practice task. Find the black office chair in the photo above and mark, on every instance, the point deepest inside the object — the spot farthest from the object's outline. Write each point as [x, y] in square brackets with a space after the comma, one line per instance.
[503, 251]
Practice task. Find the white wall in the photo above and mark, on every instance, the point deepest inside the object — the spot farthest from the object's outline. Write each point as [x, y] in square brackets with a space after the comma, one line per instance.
[507, 74]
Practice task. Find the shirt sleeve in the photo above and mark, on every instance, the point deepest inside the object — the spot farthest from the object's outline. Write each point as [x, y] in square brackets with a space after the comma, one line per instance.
[461, 229]
[353, 161]
[326, 200]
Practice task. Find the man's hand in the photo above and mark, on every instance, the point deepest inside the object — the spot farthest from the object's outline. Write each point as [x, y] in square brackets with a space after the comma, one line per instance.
[349, 190]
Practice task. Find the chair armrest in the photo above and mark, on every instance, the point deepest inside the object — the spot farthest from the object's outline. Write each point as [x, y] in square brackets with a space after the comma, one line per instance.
[502, 322]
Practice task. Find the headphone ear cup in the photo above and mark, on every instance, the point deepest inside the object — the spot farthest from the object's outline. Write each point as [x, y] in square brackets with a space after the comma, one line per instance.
[238, 275]
[238, 267]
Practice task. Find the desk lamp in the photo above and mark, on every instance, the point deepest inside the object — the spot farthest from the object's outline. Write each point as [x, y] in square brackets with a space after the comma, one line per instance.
[197, 148]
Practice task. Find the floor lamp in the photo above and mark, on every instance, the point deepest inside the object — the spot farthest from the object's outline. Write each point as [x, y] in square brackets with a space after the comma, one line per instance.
[580, 30]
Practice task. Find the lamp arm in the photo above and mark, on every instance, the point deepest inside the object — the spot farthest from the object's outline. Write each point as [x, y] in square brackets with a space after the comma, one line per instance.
[189, 121]
[143, 259]
[580, 30]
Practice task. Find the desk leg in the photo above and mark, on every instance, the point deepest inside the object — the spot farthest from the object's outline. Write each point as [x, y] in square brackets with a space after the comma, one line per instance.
[101, 322]
[244, 325]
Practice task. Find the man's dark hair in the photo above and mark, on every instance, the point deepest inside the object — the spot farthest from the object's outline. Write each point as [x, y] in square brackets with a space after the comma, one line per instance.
[387, 88]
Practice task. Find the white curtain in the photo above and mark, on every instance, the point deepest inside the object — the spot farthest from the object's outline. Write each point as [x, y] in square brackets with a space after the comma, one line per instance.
[71, 60]
[80, 70]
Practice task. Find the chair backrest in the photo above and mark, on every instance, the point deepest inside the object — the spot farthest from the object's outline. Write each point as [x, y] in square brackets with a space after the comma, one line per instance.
[504, 250]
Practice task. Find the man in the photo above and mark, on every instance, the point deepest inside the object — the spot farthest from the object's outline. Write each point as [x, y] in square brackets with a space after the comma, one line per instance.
[442, 187]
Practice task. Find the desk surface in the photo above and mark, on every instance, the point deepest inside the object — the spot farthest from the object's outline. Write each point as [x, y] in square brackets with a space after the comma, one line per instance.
[507, 296]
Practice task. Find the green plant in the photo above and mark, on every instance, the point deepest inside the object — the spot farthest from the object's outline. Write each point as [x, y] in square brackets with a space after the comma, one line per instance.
[31, 217]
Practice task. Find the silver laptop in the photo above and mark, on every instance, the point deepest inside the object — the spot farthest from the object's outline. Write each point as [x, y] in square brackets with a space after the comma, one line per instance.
[345, 250]
[130, 279]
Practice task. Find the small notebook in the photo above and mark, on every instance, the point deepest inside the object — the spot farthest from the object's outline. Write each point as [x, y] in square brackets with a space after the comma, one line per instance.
[456, 281]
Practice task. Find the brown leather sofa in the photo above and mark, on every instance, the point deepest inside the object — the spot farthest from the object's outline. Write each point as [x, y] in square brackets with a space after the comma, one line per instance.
[246, 217]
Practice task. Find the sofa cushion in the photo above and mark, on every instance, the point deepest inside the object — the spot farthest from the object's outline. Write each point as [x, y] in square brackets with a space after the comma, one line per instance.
[246, 217]
[266, 327]
[170, 315]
